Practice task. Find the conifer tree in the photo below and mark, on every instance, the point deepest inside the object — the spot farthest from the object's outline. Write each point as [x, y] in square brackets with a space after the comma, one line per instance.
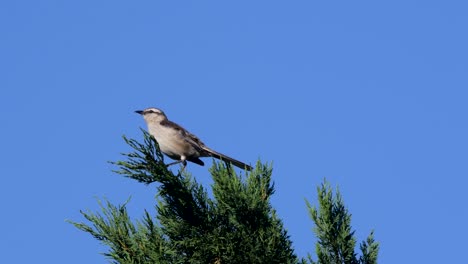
[237, 224]
[336, 242]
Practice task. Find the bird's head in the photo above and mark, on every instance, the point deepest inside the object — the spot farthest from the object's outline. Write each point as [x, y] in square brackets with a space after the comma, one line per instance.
[152, 114]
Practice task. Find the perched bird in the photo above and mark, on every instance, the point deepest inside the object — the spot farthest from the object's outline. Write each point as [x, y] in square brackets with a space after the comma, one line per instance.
[179, 144]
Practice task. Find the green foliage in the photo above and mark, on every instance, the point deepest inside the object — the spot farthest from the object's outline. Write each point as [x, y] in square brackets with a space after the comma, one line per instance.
[336, 242]
[140, 243]
[236, 225]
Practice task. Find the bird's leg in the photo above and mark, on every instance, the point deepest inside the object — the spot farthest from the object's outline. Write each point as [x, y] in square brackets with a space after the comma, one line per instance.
[176, 162]
[183, 161]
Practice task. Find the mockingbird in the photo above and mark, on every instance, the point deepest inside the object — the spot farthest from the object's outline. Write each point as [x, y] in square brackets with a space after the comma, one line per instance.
[179, 144]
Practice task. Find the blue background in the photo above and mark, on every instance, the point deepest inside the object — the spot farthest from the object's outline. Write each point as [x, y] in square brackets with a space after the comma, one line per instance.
[370, 95]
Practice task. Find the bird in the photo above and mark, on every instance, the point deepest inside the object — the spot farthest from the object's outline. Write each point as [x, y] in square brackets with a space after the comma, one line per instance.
[179, 144]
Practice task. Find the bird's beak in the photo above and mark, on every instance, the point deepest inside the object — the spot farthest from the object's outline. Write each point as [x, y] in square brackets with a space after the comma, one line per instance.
[139, 112]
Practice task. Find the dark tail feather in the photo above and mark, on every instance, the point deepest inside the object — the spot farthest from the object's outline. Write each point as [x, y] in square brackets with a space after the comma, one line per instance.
[197, 161]
[223, 157]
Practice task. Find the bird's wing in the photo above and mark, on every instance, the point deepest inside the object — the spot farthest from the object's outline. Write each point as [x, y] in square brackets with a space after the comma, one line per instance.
[201, 147]
[187, 136]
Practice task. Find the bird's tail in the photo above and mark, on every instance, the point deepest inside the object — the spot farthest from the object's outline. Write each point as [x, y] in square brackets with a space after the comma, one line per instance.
[223, 157]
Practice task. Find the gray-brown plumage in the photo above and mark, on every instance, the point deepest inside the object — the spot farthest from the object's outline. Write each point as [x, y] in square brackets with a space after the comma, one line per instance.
[179, 144]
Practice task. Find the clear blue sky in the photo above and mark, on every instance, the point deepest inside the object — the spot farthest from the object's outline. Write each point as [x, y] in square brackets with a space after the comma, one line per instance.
[372, 96]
